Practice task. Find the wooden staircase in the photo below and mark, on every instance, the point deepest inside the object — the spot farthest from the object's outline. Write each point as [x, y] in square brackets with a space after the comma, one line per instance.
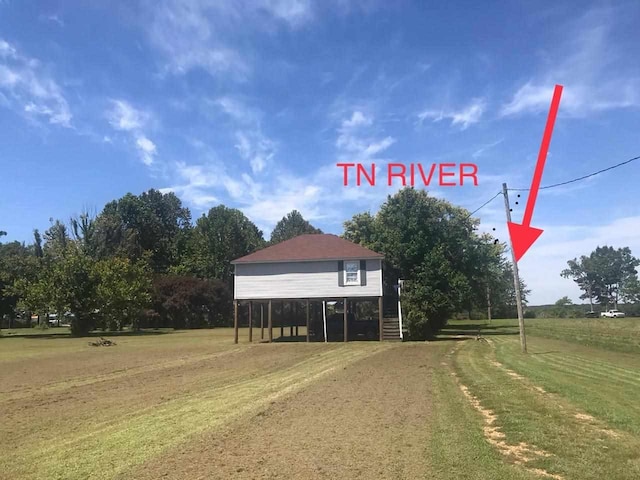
[391, 329]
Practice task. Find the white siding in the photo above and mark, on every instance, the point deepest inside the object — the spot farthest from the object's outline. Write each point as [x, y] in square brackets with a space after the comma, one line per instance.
[302, 280]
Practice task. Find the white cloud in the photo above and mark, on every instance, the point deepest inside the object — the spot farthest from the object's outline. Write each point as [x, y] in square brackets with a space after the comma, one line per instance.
[596, 73]
[464, 117]
[124, 117]
[357, 119]
[480, 151]
[28, 89]
[209, 34]
[256, 148]
[147, 149]
[6, 50]
[356, 142]
[251, 143]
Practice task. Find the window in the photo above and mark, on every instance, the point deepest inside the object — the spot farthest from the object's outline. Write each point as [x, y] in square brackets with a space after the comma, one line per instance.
[352, 273]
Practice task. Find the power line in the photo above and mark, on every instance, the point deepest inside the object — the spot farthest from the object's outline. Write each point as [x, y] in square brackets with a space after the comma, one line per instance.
[485, 204]
[580, 178]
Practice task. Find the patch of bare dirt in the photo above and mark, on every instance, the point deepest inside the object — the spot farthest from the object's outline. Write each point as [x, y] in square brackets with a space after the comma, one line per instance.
[51, 411]
[369, 420]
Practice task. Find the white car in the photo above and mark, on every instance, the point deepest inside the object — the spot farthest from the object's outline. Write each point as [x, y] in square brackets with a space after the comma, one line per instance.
[612, 314]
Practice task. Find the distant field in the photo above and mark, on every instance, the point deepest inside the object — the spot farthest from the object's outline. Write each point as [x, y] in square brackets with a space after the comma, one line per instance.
[191, 404]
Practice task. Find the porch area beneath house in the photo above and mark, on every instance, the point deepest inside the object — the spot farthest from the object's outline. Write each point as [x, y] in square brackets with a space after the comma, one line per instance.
[314, 320]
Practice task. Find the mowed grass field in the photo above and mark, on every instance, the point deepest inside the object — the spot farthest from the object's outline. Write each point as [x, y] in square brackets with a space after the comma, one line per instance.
[192, 405]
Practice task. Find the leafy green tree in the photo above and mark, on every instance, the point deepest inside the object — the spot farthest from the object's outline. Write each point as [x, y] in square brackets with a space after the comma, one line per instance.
[218, 238]
[17, 261]
[152, 222]
[67, 284]
[630, 291]
[582, 272]
[361, 229]
[123, 291]
[603, 274]
[83, 227]
[292, 225]
[432, 245]
[37, 244]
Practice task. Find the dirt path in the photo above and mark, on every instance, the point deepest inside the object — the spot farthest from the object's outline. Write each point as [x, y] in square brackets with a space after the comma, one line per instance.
[370, 420]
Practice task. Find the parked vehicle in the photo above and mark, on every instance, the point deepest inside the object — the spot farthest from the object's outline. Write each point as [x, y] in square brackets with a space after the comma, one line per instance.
[590, 314]
[612, 314]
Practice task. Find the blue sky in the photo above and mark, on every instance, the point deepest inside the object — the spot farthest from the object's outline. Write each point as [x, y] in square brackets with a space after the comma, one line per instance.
[252, 104]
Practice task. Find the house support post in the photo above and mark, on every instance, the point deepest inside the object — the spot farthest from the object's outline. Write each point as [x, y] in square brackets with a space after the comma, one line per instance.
[261, 321]
[235, 321]
[380, 320]
[270, 322]
[307, 320]
[324, 320]
[346, 328]
[250, 323]
[282, 319]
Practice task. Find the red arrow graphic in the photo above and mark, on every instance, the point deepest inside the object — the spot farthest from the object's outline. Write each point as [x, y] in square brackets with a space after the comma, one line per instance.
[524, 235]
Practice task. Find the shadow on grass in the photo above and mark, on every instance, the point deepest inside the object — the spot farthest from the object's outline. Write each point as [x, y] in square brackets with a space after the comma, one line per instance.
[315, 339]
[96, 334]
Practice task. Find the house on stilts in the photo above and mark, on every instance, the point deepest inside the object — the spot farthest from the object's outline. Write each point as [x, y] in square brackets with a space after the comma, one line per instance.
[327, 286]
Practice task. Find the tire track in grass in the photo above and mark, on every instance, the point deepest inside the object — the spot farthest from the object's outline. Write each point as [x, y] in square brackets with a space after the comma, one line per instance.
[103, 453]
[589, 387]
[520, 453]
[576, 446]
[563, 405]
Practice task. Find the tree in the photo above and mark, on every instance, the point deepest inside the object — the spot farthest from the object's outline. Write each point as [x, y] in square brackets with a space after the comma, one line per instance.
[17, 261]
[582, 272]
[218, 238]
[361, 229]
[123, 291]
[432, 245]
[563, 302]
[66, 284]
[291, 226]
[152, 222]
[188, 302]
[630, 291]
[83, 228]
[603, 274]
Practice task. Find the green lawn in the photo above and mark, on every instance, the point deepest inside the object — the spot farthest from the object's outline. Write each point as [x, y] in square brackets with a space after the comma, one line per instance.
[573, 399]
[569, 409]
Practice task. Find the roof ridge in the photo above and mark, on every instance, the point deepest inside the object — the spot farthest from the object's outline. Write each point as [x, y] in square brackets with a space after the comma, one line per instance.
[325, 246]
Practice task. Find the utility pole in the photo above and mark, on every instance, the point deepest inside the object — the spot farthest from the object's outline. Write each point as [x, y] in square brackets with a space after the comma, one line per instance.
[516, 276]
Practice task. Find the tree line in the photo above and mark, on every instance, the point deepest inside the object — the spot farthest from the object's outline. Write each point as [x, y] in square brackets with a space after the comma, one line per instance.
[607, 276]
[141, 262]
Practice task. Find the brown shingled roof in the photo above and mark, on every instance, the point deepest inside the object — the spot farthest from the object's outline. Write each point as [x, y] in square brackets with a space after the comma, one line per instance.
[317, 246]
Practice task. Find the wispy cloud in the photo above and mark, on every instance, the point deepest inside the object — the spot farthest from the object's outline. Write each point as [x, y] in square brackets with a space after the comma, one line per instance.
[208, 34]
[464, 117]
[356, 142]
[488, 146]
[29, 89]
[596, 73]
[53, 18]
[252, 144]
[123, 116]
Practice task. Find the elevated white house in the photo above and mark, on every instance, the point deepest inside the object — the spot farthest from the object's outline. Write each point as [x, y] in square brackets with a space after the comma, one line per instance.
[313, 269]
